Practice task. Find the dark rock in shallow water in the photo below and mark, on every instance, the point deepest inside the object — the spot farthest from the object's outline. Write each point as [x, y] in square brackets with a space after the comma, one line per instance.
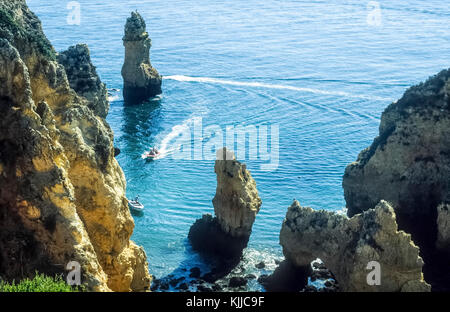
[260, 265]
[116, 151]
[286, 278]
[250, 276]
[213, 276]
[207, 236]
[217, 287]
[321, 274]
[262, 279]
[318, 265]
[164, 286]
[202, 288]
[237, 281]
[174, 282]
[183, 286]
[195, 272]
[155, 284]
[310, 288]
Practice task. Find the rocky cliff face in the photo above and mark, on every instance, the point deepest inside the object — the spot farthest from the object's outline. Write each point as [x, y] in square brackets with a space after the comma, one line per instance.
[347, 246]
[62, 193]
[236, 204]
[443, 226]
[141, 80]
[237, 201]
[83, 78]
[408, 164]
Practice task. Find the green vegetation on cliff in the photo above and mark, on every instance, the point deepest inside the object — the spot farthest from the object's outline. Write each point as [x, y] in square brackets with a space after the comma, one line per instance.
[7, 23]
[40, 283]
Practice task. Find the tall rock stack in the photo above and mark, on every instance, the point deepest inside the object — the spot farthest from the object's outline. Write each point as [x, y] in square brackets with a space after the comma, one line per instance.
[237, 201]
[236, 205]
[140, 80]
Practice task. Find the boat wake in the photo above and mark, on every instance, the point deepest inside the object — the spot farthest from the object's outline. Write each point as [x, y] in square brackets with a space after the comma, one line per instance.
[270, 86]
[168, 145]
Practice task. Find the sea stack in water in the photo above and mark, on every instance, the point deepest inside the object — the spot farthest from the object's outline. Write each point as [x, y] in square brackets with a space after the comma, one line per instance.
[235, 205]
[140, 80]
[351, 247]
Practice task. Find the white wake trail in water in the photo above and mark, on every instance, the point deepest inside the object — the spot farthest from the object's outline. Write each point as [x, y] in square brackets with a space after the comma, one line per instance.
[166, 147]
[269, 86]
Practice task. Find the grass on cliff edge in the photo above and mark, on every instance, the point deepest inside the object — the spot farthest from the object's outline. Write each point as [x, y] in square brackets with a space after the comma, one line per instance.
[35, 36]
[40, 283]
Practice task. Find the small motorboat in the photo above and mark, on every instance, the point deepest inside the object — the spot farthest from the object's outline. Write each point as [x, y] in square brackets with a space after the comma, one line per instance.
[152, 154]
[135, 205]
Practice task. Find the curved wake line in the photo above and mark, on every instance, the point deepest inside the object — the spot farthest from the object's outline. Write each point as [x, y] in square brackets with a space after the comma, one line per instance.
[270, 86]
[166, 147]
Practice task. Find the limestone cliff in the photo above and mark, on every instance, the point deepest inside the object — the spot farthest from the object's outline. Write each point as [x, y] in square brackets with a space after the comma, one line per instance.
[347, 246]
[62, 193]
[408, 164]
[83, 78]
[140, 80]
[236, 205]
[237, 201]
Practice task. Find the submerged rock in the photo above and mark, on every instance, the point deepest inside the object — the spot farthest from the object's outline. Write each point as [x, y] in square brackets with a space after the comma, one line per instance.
[237, 281]
[141, 81]
[83, 78]
[348, 246]
[287, 277]
[236, 204]
[62, 193]
[207, 236]
[195, 272]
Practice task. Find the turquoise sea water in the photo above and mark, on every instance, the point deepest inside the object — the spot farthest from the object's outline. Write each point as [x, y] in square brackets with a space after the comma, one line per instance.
[317, 69]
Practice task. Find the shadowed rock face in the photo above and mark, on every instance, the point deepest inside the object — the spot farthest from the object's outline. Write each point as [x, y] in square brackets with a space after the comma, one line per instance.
[346, 246]
[287, 277]
[443, 225]
[237, 201]
[236, 204]
[408, 164]
[83, 78]
[62, 193]
[141, 80]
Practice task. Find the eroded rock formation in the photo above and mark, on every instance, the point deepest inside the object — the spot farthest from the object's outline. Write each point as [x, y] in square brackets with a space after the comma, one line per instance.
[347, 246]
[443, 225]
[236, 204]
[141, 80]
[408, 164]
[83, 78]
[62, 193]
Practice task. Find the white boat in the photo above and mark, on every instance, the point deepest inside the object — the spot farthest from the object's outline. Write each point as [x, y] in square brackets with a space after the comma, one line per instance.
[135, 205]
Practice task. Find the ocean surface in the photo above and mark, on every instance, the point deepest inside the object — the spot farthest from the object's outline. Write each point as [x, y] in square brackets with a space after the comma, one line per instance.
[320, 71]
